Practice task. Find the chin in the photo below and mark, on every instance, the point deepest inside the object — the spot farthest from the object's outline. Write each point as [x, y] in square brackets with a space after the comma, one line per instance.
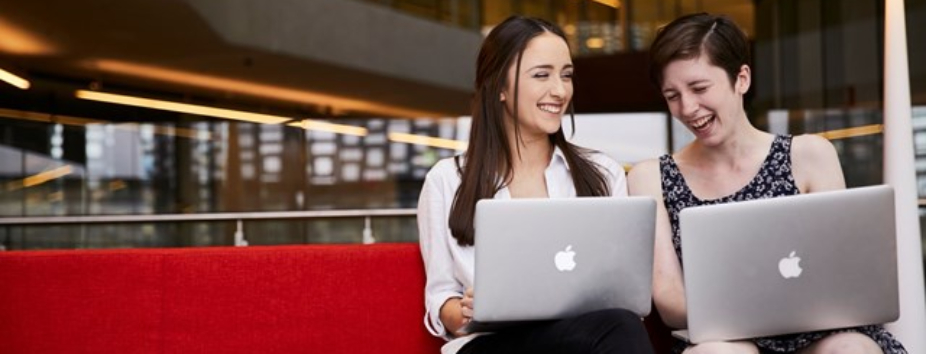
[710, 140]
[547, 128]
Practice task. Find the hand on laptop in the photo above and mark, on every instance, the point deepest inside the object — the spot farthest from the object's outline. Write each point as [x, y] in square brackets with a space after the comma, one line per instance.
[466, 313]
[466, 306]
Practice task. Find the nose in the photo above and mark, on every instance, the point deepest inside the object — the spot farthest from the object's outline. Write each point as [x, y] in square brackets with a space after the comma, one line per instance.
[689, 105]
[559, 88]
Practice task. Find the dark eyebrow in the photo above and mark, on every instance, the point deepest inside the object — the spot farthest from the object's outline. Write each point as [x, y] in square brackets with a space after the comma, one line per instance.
[696, 82]
[548, 67]
[693, 83]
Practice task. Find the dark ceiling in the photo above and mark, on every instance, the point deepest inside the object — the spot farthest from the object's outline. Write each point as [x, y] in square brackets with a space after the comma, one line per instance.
[164, 49]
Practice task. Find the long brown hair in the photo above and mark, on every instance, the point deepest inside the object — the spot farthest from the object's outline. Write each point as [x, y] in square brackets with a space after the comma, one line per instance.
[488, 158]
[687, 37]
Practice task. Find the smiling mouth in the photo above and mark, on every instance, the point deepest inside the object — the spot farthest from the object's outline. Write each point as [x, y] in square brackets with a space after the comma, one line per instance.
[551, 108]
[702, 123]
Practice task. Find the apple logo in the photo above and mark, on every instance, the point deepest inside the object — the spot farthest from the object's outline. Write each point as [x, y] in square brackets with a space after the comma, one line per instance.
[790, 267]
[565, 260]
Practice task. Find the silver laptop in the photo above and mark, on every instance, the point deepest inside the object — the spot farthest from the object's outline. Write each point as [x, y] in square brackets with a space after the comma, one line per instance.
[543, 259]
[787, 265]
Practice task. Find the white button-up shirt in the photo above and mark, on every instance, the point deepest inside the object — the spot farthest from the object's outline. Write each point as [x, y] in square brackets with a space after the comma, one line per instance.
[450, 267]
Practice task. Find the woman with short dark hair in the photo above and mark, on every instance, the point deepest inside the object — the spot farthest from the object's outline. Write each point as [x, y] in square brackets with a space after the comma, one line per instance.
[701, 65]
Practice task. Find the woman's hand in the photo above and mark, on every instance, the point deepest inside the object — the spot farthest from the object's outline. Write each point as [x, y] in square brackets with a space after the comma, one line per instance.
[457, 313]
[466, 306]
[466, 312]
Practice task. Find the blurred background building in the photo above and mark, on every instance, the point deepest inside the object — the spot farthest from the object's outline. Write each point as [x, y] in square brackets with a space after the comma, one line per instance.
[195, 107]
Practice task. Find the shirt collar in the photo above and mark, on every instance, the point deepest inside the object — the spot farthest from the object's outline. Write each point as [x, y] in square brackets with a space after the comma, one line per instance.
[559, 157]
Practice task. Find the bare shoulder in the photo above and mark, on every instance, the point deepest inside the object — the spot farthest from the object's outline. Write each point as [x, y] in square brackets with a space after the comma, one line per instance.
[816, 164]
[811, 149]
[645, 179]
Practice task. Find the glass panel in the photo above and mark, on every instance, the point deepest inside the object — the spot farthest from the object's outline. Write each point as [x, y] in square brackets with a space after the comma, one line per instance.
[209, 166]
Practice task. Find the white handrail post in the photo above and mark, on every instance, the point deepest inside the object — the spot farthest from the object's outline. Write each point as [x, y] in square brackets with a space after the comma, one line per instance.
[239, 235]
[367, 232]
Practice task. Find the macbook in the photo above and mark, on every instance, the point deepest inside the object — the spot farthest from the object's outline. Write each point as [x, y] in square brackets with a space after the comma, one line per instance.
[543, 259]
[793, 264]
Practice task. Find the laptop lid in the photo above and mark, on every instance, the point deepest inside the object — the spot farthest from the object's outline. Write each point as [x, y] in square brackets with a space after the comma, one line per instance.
[793, 264]
[540, 259]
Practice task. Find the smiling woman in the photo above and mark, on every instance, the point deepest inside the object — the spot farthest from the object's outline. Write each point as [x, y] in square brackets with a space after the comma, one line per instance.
[543, 93]
[516, 149]
[701, 64]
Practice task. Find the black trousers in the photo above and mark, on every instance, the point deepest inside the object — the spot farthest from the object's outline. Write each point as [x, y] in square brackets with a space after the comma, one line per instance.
[605, 331]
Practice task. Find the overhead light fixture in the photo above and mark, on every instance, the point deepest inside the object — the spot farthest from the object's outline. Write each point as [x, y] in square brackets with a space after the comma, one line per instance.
[278, 93]
[310, 124]
[218, 112]
[14, 80]
[852, 132]
[427, 140]
[612, 3]
[19, 40]
[181, 107]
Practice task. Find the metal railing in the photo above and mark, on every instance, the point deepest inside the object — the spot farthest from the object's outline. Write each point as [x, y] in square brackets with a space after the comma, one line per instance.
[240, 240]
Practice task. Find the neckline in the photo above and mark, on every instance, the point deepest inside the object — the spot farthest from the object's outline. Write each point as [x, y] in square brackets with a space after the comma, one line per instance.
[768, 157]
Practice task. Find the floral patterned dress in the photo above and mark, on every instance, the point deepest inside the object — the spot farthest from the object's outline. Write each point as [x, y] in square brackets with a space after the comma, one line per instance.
[775, 179]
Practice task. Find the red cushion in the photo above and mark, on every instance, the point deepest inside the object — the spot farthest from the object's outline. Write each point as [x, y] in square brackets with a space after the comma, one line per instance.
[335, 299]
[56, 302]
[331, 299]
[319, 298]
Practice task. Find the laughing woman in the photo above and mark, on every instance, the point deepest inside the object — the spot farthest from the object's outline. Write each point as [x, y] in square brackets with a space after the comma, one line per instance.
[701, 65]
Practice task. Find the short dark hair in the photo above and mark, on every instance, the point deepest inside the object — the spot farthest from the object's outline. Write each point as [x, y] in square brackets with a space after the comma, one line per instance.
[691, 36]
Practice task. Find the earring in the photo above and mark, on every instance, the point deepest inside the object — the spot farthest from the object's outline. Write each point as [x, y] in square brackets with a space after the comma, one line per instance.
[502, 97]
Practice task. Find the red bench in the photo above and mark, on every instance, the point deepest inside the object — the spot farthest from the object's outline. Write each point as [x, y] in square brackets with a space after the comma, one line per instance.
[282, 299]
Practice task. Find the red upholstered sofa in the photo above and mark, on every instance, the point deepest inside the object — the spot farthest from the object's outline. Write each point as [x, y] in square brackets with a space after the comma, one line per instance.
[287, 299]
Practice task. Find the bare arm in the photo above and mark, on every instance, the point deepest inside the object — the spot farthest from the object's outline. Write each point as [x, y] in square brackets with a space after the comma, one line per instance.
[816, 165]
[668, 289]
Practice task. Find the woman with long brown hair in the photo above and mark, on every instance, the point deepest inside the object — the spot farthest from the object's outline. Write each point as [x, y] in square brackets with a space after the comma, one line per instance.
[517, 149]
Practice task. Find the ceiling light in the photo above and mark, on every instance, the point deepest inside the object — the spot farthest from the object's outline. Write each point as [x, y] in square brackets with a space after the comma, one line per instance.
[219, 112]
[279, 93]
[612, 3]
[310, 124]
[14, 80]
[20, 41]
[427, 140]
[181, 107]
